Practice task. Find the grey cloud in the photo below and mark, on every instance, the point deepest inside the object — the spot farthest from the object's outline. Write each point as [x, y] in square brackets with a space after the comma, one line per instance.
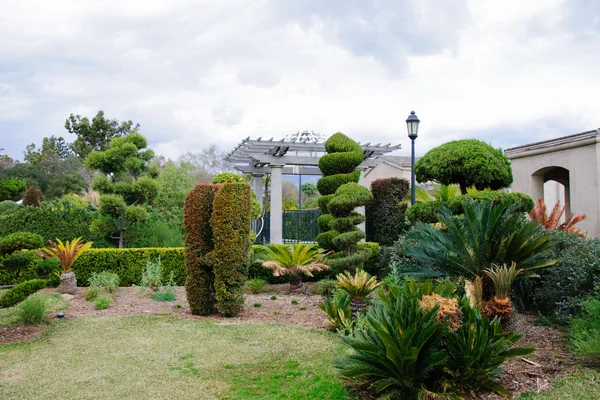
[258, 76]
[226, 116]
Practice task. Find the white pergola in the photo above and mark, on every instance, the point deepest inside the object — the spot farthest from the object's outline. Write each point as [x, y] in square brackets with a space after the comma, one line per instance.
[297, 156]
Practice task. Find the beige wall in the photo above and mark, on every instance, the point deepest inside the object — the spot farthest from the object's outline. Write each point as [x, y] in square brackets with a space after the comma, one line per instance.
[385, 170]
[579, 157]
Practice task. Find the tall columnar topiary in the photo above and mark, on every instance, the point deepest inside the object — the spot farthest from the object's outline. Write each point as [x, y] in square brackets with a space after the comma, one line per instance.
[341, 195]
[217, 227]
[385, 214]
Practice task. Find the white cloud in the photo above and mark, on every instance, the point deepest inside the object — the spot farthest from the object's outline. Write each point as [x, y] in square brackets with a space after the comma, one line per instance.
[199, 72]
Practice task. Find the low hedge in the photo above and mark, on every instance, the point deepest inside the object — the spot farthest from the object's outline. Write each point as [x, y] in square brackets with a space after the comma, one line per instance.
[21, 291]
[129, 264]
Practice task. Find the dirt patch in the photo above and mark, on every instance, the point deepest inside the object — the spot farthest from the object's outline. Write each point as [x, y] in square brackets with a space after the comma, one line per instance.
[296, 308]
[550, 361]
[20, 333]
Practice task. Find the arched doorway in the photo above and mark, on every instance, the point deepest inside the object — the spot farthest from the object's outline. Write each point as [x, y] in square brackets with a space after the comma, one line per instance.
[552, 184]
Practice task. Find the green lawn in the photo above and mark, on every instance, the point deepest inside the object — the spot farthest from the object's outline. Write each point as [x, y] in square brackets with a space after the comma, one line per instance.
[8, 316]
[169, 358]
[584, 385]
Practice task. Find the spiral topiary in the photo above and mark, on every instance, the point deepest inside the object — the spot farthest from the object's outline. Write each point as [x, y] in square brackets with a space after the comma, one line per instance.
[341, 195]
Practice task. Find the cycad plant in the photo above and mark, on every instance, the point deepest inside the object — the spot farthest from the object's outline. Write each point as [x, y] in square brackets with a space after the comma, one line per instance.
[485, 235]
[339, 313]
[502, 278]
[552, 221]
[293, 259]
[66, 254]
[358, 286]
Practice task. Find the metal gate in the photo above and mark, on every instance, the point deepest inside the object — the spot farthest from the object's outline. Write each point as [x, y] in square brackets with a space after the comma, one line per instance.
[298, 226]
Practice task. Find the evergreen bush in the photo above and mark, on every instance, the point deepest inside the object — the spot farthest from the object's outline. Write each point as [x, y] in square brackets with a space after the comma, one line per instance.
[386, 218]
[20, 241]
[20, 292]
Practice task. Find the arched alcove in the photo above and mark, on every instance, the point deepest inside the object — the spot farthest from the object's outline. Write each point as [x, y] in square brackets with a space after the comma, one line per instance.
[553, 184]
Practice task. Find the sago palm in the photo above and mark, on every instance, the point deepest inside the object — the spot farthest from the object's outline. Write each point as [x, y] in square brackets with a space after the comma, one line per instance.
[358, 286]
[293, 259]
[485, 235]
[502, 278]
[66, 253]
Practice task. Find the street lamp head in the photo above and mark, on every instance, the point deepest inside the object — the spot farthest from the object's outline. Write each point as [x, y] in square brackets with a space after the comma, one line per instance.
[412, 125]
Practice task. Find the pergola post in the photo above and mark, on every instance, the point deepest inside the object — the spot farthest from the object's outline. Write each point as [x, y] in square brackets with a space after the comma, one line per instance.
[276, 225]
[258, 188]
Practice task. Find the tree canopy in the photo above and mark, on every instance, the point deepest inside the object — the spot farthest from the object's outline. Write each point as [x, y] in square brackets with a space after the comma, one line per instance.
[97, 134]
[467, 163]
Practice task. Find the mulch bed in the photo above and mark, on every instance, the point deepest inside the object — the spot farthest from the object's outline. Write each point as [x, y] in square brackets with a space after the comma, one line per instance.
[535, 373]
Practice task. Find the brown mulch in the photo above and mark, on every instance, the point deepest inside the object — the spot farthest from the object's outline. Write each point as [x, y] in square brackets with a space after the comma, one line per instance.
[549, 362]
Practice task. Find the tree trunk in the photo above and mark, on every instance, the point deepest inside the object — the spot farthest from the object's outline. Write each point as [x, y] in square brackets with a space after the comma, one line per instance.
[295, 282]
[463, 187]
[121, 231]
[68, 283]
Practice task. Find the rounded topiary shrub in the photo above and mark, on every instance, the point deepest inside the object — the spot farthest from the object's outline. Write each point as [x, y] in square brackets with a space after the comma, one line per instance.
[20, 241]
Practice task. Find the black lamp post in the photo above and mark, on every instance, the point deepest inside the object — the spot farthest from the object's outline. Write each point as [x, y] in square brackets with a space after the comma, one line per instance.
[412, 124]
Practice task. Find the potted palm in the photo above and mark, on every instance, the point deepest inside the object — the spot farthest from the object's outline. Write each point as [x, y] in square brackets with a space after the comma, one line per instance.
[295, 260]
[66, 254]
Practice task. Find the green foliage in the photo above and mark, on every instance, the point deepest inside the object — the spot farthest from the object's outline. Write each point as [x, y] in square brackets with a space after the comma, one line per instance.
[217, 227]
[20, 241]
[395, 255]
[33, 197]
[559, 290]
[130, 264]
[154, 232]
[8, 206]
[11, 189]
[97, 134]
[468, 163]
[584, 333]
[132, 183]
[174, 182]
[56, 219]
[289, 205]
[329, 184]
[339, 313]
[324, 288]
[385, 215]
[17, 262]
[48, 269]
[309, 190]
[166, 293]
[20, 292]
[256, 285]
[429, 212]
[105, 280]
[325, 239]
[228, 177]
[323, 201]
[102, 302]
[347, 198]
[336, 162]
[32, 311]
[486, 235]
[405, 350]
[340, 143]
[92, 293]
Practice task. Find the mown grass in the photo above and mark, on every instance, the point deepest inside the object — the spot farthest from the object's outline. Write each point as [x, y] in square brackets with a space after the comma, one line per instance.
[169, 358]
[9, 316]
[584, 385]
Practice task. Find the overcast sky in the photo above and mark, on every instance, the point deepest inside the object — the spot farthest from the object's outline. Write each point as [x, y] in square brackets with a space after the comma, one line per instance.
[216, 71]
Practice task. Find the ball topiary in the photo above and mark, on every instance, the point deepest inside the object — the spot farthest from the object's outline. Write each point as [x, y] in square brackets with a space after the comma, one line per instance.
[20, 241]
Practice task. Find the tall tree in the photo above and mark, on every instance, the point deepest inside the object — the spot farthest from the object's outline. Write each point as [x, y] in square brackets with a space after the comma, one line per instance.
[207, 163]
[468, 162]
[6, 162]
[174, 183]
[129, 183]
[97, 134]
[52, 148]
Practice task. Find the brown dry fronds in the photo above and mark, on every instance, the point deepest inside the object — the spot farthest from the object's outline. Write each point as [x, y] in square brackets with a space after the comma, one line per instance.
[448, 310]
[496, 307]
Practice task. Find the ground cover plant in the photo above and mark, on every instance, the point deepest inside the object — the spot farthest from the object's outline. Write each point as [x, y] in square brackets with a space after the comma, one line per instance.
[181, 359]
[14, 315]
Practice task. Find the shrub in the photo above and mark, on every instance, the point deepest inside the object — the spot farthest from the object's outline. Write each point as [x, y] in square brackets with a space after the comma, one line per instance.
[130, 264]
[20, 292]
[49, 269]
[385, 215]
[558, 291]
[256, 285]
[20, 241]
[17, 262]
[165, 293]
[7, 206]
[152, 276]
[32, 310]
[217, 228]
[324, 288]
[56, 219]
[102, 302]
[10, 189]
[33, 197]
[584, 332]
[339, 313]
[109, 281]
[92, 293]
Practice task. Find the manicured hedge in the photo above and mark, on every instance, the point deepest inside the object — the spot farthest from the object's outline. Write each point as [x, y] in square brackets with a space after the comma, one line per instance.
[386, 218]
[55, 219]
[428, 212]
[129, 264]
[20, 292]
[20, 241]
